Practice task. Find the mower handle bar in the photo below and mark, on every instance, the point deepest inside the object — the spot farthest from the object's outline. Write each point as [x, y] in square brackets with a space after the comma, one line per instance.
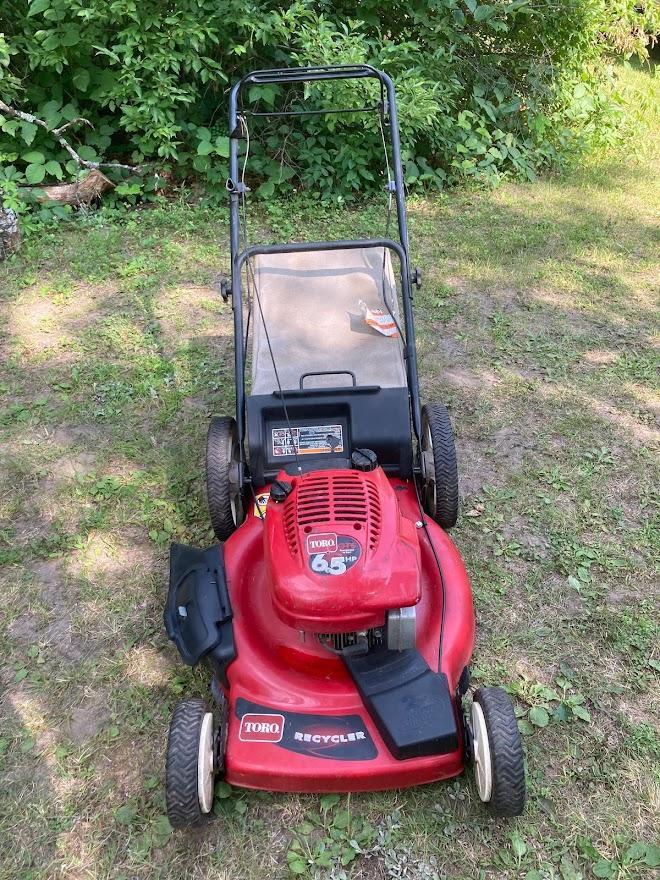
[311, 74]
[286, 75]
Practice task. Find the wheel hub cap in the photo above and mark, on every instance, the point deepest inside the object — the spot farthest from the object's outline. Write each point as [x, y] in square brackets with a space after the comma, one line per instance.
[205, 764]
[483, 767]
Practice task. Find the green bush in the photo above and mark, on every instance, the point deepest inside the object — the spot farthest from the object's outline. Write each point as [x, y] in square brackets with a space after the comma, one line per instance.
[486, 89]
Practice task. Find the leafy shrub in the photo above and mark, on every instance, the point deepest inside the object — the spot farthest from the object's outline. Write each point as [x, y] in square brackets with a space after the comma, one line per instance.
[486, 89]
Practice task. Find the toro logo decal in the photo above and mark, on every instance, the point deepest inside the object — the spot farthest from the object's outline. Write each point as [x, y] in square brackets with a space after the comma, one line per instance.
[323, 543]
[331, 554]
[261, 728]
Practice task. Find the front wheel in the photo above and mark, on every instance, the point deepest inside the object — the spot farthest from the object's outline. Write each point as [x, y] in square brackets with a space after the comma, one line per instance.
[497, 751]
[191, 764]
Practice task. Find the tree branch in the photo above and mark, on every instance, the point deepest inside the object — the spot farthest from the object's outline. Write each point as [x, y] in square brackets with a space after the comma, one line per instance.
[58, 131]
[57, 134]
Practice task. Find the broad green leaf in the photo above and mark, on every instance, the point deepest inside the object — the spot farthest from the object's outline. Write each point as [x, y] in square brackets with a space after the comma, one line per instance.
[347, 855]
[604, 868]
[266, 190]
[88, 153]
[652, 858]
[262, 93]
[52, 41]
[54, 169]
[161, 830]
[29, 130]
[581, 713]
[538, 716]
[125, 814]
[34, 157]
[70, 37]
[568, 871]
[38, 6]
[482, 13]
[201, 163]
[222, 146]
[35, 173]
[518, 845]
[223, 790]
[81, 79]
[204, 148]
[635, 852]
[329, 800]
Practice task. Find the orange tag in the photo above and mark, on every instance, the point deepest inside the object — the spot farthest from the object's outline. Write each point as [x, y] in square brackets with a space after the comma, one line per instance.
[381, 321]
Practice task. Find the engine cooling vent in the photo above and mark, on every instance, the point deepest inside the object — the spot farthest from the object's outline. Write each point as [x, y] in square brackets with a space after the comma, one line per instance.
[338, 496]
[338, 642]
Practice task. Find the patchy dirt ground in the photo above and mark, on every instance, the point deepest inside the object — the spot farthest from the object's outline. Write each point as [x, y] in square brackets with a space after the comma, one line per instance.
[538, 326]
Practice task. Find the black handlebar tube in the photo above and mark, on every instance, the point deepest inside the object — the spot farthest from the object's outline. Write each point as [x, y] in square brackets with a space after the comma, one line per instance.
[238, 258]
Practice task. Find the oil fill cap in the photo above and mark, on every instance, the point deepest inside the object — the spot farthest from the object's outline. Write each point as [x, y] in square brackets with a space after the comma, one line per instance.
[364, 460]
[280, 490]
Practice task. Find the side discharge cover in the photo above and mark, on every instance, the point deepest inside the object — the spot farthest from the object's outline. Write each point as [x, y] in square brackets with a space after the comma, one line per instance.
[198, 616]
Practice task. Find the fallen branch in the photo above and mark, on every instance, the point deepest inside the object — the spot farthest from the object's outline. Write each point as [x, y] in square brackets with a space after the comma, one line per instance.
[62, 141]
[81, 192]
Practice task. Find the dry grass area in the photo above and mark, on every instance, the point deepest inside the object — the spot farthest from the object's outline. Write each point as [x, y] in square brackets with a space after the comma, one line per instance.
[538, 326]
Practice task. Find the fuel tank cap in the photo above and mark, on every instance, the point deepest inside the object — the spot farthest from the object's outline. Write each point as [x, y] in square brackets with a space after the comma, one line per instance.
[280, 490]
[364, 460]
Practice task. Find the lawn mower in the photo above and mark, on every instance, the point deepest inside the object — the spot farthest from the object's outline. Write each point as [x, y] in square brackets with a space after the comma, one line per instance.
[335, 614]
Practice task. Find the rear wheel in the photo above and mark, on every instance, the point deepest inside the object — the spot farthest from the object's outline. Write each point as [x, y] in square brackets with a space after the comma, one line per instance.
[439, 466]
[222, 486]
[499, 767]
[191, 764]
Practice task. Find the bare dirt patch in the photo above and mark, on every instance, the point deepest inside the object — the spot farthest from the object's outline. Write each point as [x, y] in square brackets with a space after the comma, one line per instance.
[41, 321]
[88, 718]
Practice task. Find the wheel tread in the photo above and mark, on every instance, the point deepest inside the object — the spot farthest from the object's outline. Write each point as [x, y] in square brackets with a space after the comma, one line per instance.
[218, 489]
[183, 809]
[446, 466]
[508, 796]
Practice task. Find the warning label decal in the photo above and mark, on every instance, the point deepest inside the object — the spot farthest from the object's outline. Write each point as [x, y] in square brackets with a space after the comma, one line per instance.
[260, 503]
[307, 440]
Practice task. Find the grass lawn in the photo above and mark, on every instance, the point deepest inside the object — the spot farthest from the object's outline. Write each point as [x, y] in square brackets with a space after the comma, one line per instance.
[538, 327]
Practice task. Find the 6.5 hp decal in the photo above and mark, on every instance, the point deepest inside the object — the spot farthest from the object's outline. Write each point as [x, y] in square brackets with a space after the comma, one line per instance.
[332, 554]
[340, 737]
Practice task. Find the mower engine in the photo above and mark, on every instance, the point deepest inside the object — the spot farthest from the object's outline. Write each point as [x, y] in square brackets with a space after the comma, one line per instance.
[343, 522]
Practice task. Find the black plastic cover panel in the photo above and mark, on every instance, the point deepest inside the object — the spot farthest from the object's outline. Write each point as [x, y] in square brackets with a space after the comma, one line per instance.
[328, 424]
[410, 704]
[198, 611]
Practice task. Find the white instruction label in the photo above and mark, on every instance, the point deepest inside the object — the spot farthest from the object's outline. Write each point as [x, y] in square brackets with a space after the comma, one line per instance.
[307, 440]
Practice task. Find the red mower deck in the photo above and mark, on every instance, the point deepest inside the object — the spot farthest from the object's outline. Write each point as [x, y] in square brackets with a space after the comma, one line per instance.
[296, 720]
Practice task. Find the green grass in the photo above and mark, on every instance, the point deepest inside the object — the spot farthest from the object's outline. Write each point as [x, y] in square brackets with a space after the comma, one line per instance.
[537, 325]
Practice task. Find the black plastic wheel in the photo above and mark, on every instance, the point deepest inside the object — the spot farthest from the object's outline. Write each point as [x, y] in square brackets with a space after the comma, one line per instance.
[440, 487]
[222, 488]
[507, 766]
[181, 783]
